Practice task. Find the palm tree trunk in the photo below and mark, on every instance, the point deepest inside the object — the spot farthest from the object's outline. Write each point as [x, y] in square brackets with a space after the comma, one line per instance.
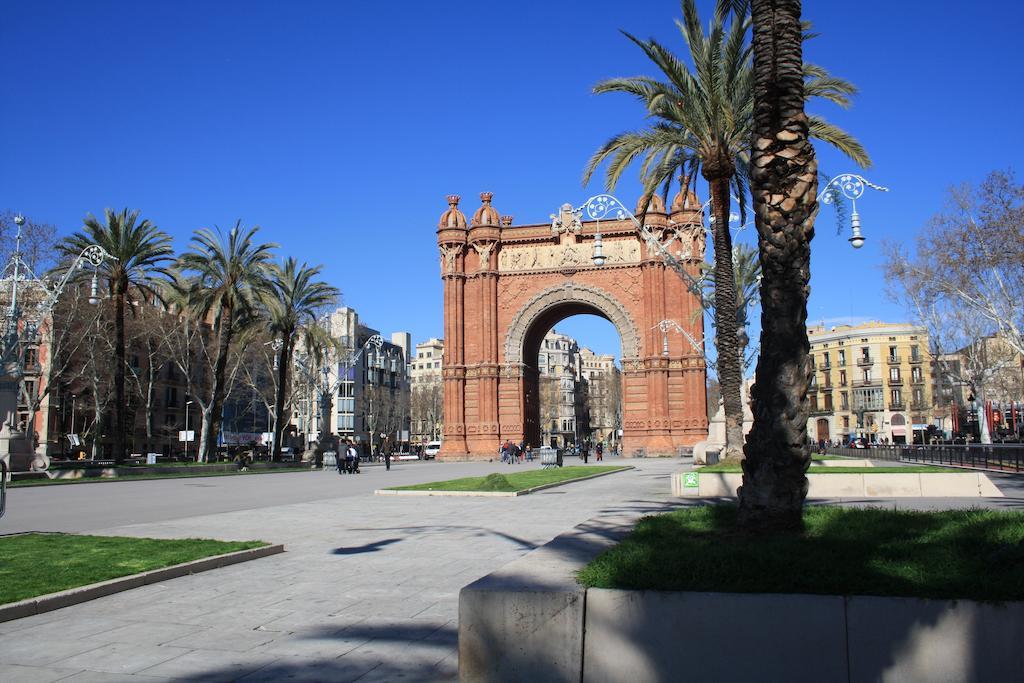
[283, 361]
[120, 402]
[784, 188]
[730, 372]
[219, 372]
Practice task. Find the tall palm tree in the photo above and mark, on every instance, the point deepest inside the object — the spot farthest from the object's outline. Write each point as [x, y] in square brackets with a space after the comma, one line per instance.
[296, 298]
[140, 250]
[784, 189]
[702, 121]
[231, 274]
[747, 279]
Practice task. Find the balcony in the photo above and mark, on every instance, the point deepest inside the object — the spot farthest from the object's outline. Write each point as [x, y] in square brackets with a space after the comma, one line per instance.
[824, 366]
[865, 362]
[819, 412]
[918, 381]
[841, 363]
[893, 360]
[918, 405]
[857, 383]
[897, 405]
[916, 359]
[895, 382]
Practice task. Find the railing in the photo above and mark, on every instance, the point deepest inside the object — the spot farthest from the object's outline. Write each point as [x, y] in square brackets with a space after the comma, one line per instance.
[893, 360]
[917, 380]
[1001, 457]
[824, 366]
[897, 405]
[867, 382]
[918, 359]
[865, 361]
[895, 381]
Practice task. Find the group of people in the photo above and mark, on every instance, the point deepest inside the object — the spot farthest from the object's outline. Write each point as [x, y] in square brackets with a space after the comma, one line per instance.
[512, 453]
[348, 458]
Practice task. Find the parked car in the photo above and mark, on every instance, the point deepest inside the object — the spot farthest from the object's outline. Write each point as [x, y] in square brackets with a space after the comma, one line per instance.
[431, 451]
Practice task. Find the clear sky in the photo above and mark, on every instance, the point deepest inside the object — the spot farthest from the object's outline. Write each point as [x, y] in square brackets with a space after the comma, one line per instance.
[339, 127]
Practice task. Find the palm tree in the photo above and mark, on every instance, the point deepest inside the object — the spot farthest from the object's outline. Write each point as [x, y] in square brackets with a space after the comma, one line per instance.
[747, 278]
[295, 300]
[231, 275]
[139, 249]
[703, 120]
[784, 189]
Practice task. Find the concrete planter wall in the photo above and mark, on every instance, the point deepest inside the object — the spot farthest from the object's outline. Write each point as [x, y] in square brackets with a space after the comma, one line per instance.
[867, 485]
[614, 635]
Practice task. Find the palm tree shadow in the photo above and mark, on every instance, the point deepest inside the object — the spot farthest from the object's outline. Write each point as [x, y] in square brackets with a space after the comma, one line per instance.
[373, 547]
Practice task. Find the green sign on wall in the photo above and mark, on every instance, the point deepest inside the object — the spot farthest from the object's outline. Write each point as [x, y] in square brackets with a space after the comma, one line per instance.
[690, 480]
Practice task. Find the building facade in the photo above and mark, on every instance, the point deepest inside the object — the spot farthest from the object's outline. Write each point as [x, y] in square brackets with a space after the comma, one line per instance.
[603, 382]
[369, 382]
[872, 381]
[562, 409]
[427, 391]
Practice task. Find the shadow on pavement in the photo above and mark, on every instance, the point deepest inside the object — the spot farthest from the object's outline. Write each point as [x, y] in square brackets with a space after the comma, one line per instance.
[368, 548]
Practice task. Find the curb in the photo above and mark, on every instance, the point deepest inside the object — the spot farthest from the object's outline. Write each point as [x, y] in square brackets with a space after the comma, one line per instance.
[498, 494]
[74, 596]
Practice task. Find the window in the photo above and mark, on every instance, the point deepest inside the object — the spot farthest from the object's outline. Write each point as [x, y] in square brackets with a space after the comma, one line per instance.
[896, 396]
[827, 364]
[814, 403]
[171, 397]
[915, 353]
[842, 357]
[828, 402]
[846, 422]
[866, 375]
[892, 353]
[844, 400]
[915, 374]
[842, 378]
[437, 364]
[894, 374]
[31, 356]
[918, 397]
[865, 353]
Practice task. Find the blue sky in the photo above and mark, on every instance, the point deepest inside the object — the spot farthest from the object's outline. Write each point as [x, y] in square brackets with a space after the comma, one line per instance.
[339, 127]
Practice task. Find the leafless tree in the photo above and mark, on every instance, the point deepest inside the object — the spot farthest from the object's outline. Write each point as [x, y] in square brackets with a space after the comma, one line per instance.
[427, 407]
[965, 283]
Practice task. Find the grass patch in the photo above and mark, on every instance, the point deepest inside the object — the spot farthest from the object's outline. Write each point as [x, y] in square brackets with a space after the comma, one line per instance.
[512, 481]
[37, 564]
[142, 477]
[841, 551]
[909, 469]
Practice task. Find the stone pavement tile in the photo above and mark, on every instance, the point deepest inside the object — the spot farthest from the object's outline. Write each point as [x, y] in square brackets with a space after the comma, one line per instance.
[304, 621]
[315, 644]
[412, 668]
[34, 651]
[167, 612]
[419, 655]
[144, 633]
[29, 622]
[310, 670]
[73, 628]
[232, 640]
[98, 677]
[241, 618]
[121, 658]
[388, 607]
[15, 673]
[210, 665]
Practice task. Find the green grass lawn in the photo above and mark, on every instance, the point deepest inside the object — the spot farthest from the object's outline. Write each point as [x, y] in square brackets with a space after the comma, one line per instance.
[822, 469]
[968, 554]
[137, 477]
[512, 481]
[37, 564]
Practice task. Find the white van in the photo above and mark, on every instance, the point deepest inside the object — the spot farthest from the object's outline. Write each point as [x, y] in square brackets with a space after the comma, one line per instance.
[431, 450]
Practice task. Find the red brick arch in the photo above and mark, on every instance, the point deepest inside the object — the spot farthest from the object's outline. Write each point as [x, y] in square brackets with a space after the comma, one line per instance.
[506, 286]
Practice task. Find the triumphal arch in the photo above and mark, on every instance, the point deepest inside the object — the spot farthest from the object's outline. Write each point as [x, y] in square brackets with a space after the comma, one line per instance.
[505, 286]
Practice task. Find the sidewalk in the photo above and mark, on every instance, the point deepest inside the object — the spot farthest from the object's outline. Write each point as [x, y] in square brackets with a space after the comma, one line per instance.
[367, 590]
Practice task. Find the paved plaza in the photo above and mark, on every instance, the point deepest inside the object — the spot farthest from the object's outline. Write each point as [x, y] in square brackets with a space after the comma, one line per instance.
[367, 588]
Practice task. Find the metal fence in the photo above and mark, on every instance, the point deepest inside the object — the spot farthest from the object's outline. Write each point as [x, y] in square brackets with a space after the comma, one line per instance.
[1005, 458]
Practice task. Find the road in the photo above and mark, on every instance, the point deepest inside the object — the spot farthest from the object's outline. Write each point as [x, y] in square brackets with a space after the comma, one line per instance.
[103, 504]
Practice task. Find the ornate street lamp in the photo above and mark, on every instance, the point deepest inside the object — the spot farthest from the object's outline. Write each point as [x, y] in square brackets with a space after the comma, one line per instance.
[22, 325]
[852, 187]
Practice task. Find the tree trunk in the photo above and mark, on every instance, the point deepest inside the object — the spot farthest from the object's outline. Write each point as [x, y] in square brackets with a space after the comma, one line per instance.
[730, 371]
[120, 402]
[209, 442]
[207, 427]
[284, 359]
[784, 188]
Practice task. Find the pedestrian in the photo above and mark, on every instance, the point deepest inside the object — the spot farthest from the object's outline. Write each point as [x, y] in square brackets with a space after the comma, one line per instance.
[600, 451]
[529, 453]
[585, 453]
[387, 455]
[339, 457]
[353, 459]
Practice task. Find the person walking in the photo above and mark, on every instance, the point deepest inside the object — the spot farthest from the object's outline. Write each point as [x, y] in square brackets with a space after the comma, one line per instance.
[600, 451]
[387, 455]
[529, 453]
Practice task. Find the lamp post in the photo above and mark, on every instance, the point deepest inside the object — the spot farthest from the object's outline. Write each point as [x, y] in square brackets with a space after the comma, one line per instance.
[21, 325]
[851, 186]
[187, 404]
